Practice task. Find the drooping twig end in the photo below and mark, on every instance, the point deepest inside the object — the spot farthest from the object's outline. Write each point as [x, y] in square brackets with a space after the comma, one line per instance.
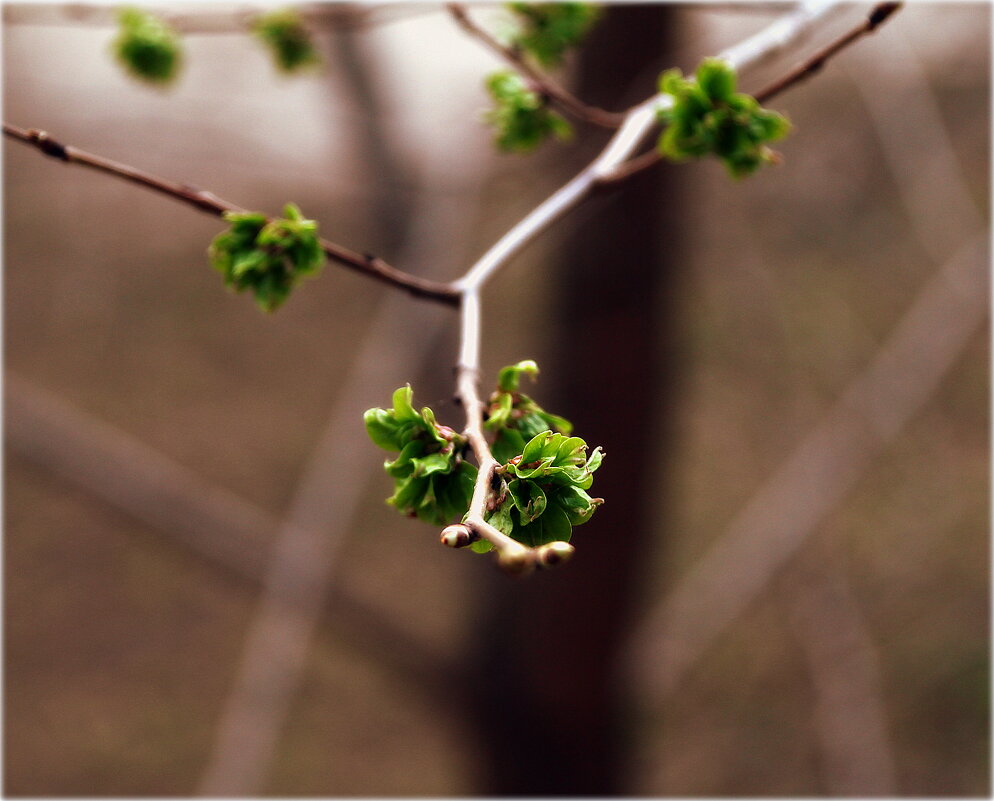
[554, 554]
[457, 536]
[516, 561]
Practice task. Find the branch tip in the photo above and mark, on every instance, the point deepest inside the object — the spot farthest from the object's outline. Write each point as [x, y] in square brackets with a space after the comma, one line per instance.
[554, 554]
[457, 536]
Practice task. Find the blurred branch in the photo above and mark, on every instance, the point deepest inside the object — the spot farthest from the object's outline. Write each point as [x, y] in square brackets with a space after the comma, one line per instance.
[877, 16]
[916, 145]
[367, 264]
[542, 83]
[948, 312]
[849, 711]
[213, 523]
[345, 16]
[327, 497]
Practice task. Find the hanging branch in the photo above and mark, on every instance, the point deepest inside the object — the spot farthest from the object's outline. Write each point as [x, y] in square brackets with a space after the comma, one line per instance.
[541, 82]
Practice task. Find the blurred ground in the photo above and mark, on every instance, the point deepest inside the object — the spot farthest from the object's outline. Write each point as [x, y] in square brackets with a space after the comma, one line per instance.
[120, 644]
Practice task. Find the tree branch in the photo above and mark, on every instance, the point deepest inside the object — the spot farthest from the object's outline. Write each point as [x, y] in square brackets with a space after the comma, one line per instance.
[636, 125]
[205, 201]
[947, 313]
[542, 83]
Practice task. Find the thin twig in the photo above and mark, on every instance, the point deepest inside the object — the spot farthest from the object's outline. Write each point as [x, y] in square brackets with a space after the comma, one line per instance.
[511, 554]
[542, 83]
[634, 127]
[877, 16]
[205, 201]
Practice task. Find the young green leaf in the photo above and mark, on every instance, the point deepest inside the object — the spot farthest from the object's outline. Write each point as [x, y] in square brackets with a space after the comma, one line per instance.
[267, 257]
[147, 47]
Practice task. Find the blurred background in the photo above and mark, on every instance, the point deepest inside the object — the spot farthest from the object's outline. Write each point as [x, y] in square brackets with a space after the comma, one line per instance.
[787, 590]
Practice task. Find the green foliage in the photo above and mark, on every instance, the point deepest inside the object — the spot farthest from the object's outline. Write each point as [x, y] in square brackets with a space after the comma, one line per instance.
[547, 30]
[544, 490]
[709, 117]
[544, 475]
[431, 480]
[516, 417]
[540, 487]
[147, 47]
[521, 117]
[284, 32]
[267, 257]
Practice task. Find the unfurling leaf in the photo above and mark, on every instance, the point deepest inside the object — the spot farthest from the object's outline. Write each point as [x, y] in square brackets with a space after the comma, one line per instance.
[544, 490]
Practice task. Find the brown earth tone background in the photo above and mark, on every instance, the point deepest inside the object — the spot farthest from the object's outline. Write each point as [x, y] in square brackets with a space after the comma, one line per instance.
[858, 666]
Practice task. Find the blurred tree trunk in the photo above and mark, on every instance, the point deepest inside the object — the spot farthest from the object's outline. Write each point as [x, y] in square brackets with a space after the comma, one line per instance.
[548, 706]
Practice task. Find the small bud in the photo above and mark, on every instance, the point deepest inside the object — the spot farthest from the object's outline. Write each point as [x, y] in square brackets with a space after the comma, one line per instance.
[555, 553]
[516, 561]
[456, 536]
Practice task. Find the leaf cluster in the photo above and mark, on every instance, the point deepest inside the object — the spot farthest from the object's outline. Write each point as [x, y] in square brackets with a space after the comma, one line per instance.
[544, 475]
[709, 117]
[515, 416]
[540, 487]
[146, 46]
[521, 117]
[284, 33]
[431, 479]
[267, 257]
[546, 31]
[544, 490]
